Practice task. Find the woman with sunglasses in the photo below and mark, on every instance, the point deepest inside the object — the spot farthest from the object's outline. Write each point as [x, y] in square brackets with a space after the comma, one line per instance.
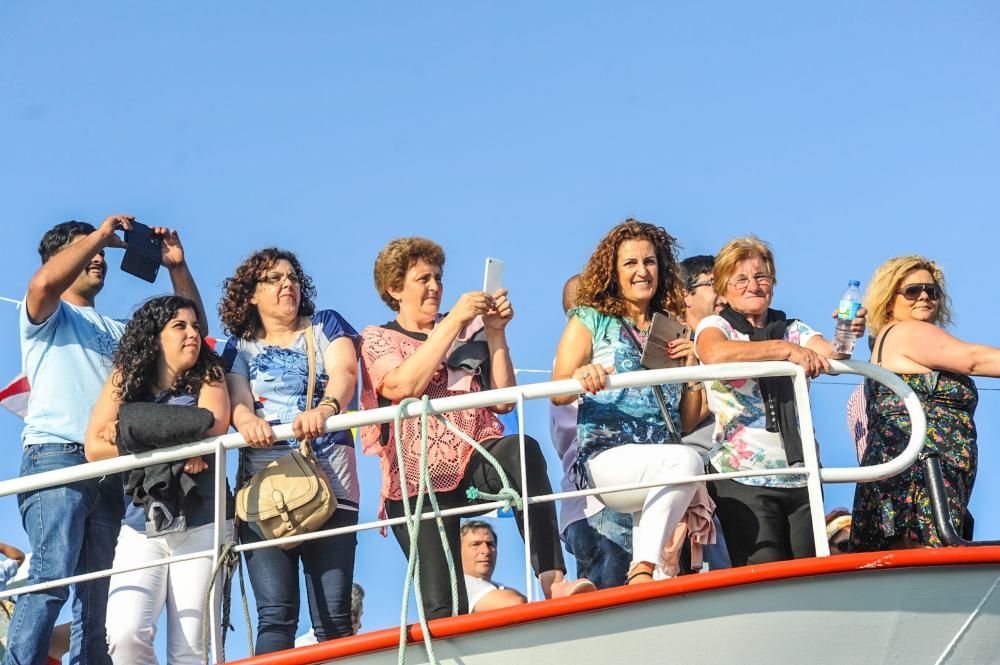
[764, 518]
[909, 308]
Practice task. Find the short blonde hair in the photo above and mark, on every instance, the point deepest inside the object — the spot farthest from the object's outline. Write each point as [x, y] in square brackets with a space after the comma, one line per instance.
[885, 283]
[399, 256]
[736, 250]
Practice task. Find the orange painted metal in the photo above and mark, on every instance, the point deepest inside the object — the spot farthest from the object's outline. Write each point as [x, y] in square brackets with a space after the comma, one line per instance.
[609, 598]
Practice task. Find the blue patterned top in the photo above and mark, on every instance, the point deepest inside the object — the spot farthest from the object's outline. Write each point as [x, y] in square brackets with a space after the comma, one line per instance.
[629, 415]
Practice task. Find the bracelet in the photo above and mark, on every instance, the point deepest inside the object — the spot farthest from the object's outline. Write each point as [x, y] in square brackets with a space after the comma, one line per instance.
[330, 401]
[693, 388]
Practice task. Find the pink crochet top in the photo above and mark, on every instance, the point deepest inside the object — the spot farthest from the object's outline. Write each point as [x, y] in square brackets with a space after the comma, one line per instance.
[383, 350]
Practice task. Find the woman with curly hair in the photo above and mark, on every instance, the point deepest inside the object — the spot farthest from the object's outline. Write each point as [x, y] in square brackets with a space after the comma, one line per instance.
[909, 309]
[162, 359]
[632, 274]
[764, 518]
[422, 352]
[267, 307]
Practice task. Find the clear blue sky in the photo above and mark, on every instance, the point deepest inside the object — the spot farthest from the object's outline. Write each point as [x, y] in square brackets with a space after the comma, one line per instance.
[843, 133]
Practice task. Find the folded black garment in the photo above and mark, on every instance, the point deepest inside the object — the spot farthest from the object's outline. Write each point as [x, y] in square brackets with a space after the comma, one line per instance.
[163, 490]
[473, 355]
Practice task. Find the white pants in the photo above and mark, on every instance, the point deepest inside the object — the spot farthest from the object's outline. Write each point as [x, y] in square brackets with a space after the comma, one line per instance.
[662, 507]
[137, 598]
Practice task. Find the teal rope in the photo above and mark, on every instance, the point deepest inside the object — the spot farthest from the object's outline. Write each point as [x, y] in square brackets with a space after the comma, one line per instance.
[425, 487]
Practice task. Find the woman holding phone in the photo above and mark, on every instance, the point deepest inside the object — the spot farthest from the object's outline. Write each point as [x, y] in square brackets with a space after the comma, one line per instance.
[423, 352]
[632, 274]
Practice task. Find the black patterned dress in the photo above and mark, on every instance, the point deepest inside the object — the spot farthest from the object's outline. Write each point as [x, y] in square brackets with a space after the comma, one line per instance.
[900, 506]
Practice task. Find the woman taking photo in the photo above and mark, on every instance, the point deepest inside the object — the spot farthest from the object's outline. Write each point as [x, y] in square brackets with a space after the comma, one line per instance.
[415, 354]
[162, 359]
[268, 309]
[764, 518]
[632, 274]
[909, 307]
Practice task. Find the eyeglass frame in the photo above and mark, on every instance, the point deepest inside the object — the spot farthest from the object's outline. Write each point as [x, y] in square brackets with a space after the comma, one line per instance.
[767, 279]
[697, 285]
[274, 279]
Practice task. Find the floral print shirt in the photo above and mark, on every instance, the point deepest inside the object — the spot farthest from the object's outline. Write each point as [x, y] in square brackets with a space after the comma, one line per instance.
[741, 440]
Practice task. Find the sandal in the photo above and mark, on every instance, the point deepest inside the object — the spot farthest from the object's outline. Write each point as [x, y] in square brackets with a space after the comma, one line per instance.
[638, 572]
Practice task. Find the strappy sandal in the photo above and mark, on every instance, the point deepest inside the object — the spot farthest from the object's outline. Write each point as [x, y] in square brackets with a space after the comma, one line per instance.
[638, 572]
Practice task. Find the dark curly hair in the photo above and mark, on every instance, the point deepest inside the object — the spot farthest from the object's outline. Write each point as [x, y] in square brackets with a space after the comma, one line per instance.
[239, 316]
[60, 235]
[599, 288]
[139, 350]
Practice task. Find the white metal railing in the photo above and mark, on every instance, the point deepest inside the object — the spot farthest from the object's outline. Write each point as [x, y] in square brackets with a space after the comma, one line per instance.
[815, 475]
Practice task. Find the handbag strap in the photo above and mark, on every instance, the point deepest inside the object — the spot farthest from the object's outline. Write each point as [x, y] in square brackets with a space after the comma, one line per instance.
[657, 390]
[311, 385]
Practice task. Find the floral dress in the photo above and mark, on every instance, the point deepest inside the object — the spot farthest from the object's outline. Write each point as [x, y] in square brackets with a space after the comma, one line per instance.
[900, 506]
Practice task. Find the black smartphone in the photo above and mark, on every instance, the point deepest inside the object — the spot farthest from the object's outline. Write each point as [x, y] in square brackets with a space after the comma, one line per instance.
[662, 330]
[143, 253]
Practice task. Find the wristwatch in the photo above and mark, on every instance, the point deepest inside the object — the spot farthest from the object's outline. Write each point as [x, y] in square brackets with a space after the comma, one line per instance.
[693, 387]
[330, 401]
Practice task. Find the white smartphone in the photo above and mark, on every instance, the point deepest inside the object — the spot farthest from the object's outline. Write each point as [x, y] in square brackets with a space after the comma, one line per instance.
[493, 275]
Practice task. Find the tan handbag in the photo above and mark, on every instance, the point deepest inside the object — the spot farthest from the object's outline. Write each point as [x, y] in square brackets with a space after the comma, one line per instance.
[291, 495]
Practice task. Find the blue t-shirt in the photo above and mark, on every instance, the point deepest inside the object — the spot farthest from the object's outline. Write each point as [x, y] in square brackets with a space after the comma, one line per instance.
[629, 415]
[278, 379]
[197, 512]
[67, 359]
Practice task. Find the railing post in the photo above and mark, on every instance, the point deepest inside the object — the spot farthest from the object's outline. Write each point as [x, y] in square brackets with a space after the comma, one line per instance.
[814, 484]
[221, 536]
[529, 587]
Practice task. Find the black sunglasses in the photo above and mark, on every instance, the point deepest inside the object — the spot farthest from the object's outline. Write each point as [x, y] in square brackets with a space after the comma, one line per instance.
[913, 291]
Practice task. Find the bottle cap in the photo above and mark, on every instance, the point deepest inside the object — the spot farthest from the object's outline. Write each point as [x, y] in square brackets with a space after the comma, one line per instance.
[853, 282]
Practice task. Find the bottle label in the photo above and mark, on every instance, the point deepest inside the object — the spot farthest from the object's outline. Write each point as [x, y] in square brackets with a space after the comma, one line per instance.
[848, 310]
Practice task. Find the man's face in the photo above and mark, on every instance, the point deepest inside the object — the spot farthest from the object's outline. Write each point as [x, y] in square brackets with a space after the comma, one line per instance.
[89, 282]
[702, 300]
[479, 553]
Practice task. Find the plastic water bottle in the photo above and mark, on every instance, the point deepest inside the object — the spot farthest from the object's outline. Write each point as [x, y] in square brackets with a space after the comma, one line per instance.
[850, 303]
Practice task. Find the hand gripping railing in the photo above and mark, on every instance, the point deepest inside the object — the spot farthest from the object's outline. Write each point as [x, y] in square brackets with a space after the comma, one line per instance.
[815, 475]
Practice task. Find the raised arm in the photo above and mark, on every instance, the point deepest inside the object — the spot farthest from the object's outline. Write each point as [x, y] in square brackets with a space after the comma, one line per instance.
[501, 366]
[61, 270]
[180, 275]
[414, 374]
[930, 346]
[99, 442]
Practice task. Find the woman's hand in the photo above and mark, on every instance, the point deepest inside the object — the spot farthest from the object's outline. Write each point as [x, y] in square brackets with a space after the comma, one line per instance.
[859, 324]
[309, 424]
[682, 349]
[110, 433]
[593, 377]
[195, 465]
[813, 363]
[470, 305]
[255, 431]
[501, 313]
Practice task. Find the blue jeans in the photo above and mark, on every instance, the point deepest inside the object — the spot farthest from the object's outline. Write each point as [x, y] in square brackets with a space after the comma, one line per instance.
[602, 545]
[73, 530]
[328, 564]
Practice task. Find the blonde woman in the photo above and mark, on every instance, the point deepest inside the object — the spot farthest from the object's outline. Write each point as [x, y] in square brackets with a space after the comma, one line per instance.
[908, 309]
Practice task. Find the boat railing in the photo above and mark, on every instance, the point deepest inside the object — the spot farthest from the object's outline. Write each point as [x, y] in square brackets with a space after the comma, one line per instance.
[518, 395]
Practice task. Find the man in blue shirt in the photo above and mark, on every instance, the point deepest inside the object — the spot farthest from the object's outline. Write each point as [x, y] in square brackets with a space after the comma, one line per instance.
[66, 349]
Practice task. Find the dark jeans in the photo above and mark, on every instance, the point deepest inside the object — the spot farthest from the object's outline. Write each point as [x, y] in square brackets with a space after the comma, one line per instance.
[763, 524]
[546, 552]
[602, 545]
[73, 529]
[328, 564]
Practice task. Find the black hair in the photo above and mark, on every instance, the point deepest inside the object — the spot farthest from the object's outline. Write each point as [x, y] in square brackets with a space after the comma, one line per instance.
[693, 266]
[139, 349]
[61, 235]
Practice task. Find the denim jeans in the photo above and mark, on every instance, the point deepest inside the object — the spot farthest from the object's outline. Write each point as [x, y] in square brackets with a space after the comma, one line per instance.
[72, 530]
[602, 545]
[328, 564]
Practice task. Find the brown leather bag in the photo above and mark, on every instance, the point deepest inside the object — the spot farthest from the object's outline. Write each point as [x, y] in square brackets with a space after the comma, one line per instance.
[291, 495]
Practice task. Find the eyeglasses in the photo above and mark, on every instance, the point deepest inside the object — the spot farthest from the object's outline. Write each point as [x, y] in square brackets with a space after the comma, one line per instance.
[698, 285]
[913, 291]
[275, 278]
[741, 282]
[843, 546]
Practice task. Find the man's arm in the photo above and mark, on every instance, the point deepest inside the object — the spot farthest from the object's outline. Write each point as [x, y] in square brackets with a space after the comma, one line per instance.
[59, 272]
[180, 275]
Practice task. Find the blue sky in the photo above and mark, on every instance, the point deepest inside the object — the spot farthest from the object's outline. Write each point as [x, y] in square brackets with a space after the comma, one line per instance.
[843, 133]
